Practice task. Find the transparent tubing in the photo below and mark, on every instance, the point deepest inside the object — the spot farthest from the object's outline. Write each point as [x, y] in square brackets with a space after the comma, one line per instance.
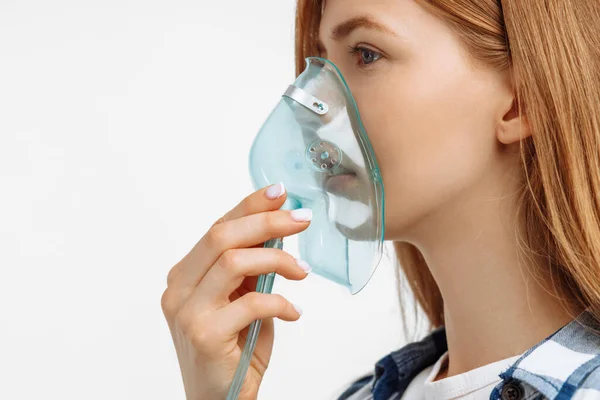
[264, 285]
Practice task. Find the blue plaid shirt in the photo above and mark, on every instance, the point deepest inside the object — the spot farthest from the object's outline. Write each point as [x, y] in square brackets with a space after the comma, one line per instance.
[563, 366]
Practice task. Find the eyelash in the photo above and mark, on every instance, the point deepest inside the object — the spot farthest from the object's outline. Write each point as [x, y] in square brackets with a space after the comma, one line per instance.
[357, 50]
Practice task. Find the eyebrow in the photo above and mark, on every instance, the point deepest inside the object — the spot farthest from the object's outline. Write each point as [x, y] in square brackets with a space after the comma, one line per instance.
[345, 28]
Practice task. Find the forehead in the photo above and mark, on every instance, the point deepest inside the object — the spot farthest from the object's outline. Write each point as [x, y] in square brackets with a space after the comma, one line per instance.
[397, 15]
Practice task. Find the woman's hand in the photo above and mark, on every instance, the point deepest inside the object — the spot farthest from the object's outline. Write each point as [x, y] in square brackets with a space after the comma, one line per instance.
[210, 298]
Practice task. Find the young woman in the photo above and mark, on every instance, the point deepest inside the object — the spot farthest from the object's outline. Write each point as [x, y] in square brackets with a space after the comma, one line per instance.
[485, 119]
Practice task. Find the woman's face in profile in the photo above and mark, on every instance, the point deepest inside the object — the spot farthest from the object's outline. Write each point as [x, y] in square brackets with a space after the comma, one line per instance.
[428, 110]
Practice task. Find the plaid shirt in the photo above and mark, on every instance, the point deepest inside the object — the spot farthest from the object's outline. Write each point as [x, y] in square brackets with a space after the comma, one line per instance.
[563, 366]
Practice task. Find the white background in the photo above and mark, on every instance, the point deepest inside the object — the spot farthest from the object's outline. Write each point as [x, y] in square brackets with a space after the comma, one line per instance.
[124, 133]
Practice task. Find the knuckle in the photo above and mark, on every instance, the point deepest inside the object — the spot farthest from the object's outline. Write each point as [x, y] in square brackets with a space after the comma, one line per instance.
[172, 274]
[270, 222]
[279, 302]
[200, 334]
[252, 300]
[283, 258]
[229, 258]
[170, 278]
[168, 304]
[215, 237]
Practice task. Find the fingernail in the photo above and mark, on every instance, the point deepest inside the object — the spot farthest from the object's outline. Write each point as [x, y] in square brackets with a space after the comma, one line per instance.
[297, 308]
[275, 191]
[304, 265]
[302, 214]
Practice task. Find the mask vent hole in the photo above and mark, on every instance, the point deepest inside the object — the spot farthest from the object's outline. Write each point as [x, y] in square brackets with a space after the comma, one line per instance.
[323, 155]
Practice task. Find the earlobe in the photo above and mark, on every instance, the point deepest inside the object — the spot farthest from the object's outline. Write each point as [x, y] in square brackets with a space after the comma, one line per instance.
[513, 126]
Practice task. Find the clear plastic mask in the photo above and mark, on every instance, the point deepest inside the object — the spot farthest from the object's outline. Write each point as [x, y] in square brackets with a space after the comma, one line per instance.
[314, 142]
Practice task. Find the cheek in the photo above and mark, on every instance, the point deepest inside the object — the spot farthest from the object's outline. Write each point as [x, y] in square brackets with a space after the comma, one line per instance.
[432, 132]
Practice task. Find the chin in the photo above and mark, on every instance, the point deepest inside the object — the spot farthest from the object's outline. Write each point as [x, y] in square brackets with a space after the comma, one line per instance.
[401, 228]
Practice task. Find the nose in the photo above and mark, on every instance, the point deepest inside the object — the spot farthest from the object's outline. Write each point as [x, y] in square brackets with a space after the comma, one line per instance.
[341, 65]
[345, 68]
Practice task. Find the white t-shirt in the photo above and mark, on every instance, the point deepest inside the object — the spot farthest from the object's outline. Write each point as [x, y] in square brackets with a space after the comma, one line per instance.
[476, 384]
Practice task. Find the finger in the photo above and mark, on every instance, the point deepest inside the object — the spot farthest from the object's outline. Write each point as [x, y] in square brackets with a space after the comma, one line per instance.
[239, 233]
[234, 265]
[265, 199]
[247, 286]
[252, 306]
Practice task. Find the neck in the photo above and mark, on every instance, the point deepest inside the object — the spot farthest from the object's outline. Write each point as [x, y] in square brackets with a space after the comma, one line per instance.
[494, 307]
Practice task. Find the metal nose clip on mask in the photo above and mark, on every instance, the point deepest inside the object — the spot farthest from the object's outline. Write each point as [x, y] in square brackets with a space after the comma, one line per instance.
[314, 142]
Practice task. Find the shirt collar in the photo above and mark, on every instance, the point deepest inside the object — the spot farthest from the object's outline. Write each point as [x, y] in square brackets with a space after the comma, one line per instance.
[556, 366]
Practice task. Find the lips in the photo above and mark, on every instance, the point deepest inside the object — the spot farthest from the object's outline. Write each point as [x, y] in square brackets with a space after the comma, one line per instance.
[339, 183]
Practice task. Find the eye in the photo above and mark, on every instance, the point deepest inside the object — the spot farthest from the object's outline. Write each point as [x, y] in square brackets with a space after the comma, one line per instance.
[366, 55]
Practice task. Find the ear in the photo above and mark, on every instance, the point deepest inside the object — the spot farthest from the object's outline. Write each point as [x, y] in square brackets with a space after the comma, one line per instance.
[513, 126]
